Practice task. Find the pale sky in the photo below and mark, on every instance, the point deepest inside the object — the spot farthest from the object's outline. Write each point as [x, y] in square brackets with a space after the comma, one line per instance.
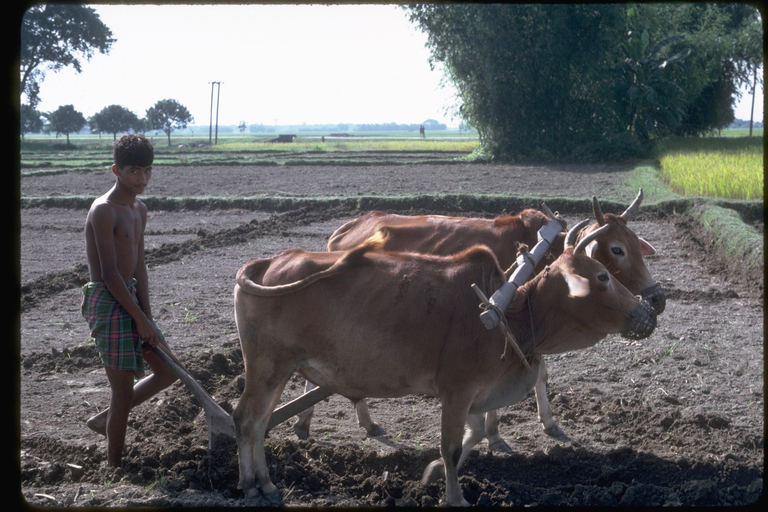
[284, 64]
[277, 64]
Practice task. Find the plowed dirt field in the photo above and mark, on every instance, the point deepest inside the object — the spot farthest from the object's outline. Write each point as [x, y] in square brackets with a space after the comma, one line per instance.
[676, 419]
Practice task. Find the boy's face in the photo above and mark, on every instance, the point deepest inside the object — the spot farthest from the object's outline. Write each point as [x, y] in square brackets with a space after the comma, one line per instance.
[133, 178]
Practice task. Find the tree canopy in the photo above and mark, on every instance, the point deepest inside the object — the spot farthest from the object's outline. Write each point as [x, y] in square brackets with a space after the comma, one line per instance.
[66, 120]
[30, 120]
[168, 115]
[57, 35]
[590, 80]
[114, 119]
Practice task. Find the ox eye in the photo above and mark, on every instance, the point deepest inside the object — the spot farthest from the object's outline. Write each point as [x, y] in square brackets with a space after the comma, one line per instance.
[603, 277]
[617, 251]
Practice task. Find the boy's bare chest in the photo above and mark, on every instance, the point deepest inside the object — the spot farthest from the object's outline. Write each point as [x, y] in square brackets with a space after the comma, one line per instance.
[128, 226]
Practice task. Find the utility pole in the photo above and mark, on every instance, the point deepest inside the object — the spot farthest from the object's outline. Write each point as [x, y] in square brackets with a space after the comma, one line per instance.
[218, 93]
[752, 112]
[210, 123]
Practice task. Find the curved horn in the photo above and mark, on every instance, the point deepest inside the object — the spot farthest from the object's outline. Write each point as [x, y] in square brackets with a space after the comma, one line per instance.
[634, 206]
[598, 212]
[573, 233]
[584, 242]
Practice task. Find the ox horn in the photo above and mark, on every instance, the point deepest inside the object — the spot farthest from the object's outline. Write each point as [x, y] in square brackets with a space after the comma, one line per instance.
[584, 242]
[573, 233]
[598, 212]
[634, 206]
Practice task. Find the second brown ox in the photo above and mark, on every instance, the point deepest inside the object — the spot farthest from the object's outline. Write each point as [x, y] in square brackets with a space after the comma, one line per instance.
[365, 323]
[618, 248]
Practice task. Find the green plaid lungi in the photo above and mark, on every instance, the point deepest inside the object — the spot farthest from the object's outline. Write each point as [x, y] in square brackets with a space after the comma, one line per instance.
[113, 328]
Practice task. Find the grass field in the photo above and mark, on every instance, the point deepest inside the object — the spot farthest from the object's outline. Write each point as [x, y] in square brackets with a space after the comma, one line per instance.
[725, 167]
[729, 167]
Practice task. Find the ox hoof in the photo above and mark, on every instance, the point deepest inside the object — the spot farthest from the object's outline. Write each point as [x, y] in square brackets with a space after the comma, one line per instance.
[273, 500]
[554, 431]
[250, 493]
[434, 472]
[376, 431]
[500, 446]
[301, 433]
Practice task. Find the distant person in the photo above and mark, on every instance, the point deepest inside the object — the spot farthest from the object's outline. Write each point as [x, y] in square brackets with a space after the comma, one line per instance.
[322, 138]
[421, 132]
[116, 300]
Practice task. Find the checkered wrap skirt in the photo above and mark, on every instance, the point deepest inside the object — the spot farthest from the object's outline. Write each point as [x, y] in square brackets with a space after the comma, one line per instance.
[113, 328]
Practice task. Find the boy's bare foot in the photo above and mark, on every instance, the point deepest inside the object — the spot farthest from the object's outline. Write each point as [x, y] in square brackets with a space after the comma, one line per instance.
[98, 423]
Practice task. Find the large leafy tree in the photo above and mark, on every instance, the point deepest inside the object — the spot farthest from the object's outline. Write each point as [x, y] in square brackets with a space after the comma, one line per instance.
[726, 43]
[582, 79]
[649, 103]
[114, 119]
[168, 115]
[66, 120]
[55, 36]
[531, 78]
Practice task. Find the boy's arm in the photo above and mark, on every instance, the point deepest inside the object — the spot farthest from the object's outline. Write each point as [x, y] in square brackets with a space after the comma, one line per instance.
[142, 278]
[103, 224]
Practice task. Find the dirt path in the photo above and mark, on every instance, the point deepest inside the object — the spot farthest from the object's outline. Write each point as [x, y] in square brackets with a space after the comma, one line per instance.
[676, 419]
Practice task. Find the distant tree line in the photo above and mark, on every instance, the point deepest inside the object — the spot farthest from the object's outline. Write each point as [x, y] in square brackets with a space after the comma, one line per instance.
[165, 116]
[430, 124]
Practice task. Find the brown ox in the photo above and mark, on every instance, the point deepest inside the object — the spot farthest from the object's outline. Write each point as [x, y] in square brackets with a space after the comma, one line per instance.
[365, 323]
[618, 248]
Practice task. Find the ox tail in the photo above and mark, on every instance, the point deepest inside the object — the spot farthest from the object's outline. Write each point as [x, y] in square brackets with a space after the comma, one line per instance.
[348, 260]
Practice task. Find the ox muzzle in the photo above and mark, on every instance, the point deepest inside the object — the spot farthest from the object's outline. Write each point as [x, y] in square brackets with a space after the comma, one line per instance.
[642, 321]
[655, 295]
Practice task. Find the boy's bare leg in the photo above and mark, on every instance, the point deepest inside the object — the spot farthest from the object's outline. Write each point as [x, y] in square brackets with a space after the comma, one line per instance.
[161, 378]
[121, 382]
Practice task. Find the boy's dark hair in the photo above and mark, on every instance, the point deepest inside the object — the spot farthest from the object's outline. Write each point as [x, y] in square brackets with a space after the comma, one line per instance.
[133, 149]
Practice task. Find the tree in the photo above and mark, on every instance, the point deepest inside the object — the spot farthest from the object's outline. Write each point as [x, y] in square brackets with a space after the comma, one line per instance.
[57, 35]
[168, 115]
[531, 78]
[242, 126]
[31, 121]
[649, 102]
[726, 41]
[114, 119]
[66, 120]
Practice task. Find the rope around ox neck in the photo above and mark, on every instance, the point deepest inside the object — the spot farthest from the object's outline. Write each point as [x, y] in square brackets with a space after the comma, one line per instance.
[509, 338]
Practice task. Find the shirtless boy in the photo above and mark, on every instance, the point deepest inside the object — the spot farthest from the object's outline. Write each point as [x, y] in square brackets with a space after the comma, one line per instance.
[116, 301]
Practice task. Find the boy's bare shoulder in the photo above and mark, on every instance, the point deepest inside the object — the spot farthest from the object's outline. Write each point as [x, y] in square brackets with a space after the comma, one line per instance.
[99, 209]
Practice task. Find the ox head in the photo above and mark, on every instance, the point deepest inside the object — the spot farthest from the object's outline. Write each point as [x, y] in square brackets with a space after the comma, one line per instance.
[605, 305]
[622, 251]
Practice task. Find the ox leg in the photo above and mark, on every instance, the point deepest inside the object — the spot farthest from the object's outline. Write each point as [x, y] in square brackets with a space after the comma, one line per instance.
[474, 433]
[301, 427]
[495, 441]
[452, 451]
[364, 419]
[251, 417]
[542, 404]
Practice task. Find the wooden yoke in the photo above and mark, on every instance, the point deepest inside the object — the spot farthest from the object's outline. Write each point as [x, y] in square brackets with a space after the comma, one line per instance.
[494, 307]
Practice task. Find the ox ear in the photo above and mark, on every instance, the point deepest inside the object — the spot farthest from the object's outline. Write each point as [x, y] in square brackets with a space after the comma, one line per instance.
[577, 286]
[646, 249]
